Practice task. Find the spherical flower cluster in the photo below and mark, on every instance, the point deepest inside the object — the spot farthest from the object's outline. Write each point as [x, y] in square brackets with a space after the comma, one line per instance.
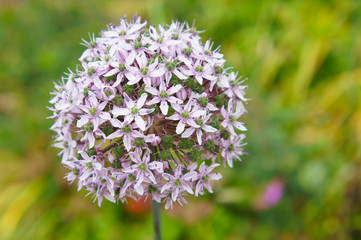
[150, 113]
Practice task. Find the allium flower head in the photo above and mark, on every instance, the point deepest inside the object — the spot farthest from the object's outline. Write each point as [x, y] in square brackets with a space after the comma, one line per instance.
[148, 113]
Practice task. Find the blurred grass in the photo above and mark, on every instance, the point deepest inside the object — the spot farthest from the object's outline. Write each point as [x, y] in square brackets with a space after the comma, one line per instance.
[302, 59]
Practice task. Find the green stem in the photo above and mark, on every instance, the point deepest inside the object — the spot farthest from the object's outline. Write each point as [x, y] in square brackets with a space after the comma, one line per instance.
[156, 220]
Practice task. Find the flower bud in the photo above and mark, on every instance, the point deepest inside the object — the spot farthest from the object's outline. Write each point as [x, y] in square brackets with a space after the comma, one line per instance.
[91, 71]
[137, 45]
[167, 141]
[165, 155]
[119, 151]
[128, 89]
[156, 141]
[185, 143]
[118, 100]
[91, 152]
[182, 94]
[218, 69]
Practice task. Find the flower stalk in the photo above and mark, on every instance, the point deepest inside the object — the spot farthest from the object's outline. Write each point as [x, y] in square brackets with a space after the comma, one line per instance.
[157, 220]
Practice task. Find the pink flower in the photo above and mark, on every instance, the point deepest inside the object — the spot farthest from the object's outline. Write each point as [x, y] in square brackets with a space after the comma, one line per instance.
[142, 169]
[199, 70]
[178, 182]
[126, 131]
[145, 111]
[121, 67]
[145, 71]
[93, 111]
[185, 116]
[205, 177]
[230, 118]
[271, 195]
[163, 95]
[233, 148]
[133, 111]
[201, 126]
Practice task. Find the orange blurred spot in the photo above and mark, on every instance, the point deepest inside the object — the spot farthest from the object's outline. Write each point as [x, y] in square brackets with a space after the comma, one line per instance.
[138, 207]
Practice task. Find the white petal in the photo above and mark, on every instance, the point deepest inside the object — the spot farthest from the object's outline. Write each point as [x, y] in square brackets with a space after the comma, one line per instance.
[141, 100]
[174, 89]
[133, 79]
[120, 111]
[199, 79]
[187, 188]
[127, 142]
[141, 60]
[188, 132]
[81, 122]
[175, 194]
[116, 123]
[157, 73]
[190, 175]
[240, 126]
[174, 117]
[111, 72]
[104, 115]
[130, 58]
[172, 99]
[154, 101]
[176, 107]
[166, 187]
[179, 74]
[128, 119]
[140, 122]
[198, 113]
[199, 136]
[91, 140]
[198, 188]
[211, 107]
[202, 167]
[115, 134]
[180, 127]
[164, 107]
[139, 189]
[151, 90]
[151, 177]
[208, 128]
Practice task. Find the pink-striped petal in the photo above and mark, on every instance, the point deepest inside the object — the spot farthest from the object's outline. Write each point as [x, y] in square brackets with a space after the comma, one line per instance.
[120, 111]
[164, 107]
[111, 72]
[153, 101]
[151, 90]
[141, 100]
[140, 122]
[240, 126]
[180, 127]
[208, 128]
[188, 132]
[174, 89]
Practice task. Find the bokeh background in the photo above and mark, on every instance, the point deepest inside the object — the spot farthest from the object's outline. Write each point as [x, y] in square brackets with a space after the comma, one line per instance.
[303, 61]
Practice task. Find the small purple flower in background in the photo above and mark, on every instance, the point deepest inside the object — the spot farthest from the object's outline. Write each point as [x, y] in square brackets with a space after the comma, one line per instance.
[271, 195]
[149, 113]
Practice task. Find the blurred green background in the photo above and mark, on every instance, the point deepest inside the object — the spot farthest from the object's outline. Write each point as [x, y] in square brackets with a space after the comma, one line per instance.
[303, 61]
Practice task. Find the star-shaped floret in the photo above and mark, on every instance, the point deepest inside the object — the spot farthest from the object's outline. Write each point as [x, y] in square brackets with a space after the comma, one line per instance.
[163, 95]
[133, 110]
